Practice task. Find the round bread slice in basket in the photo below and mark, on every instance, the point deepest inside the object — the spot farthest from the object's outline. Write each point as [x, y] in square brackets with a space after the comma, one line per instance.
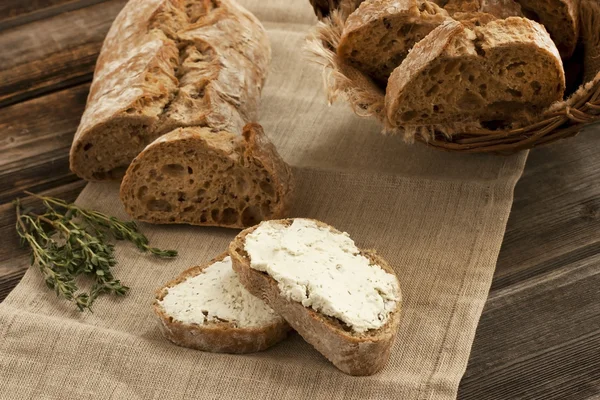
[207, 308]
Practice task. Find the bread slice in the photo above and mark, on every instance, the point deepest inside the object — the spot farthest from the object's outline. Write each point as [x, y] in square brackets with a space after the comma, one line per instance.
[561, 19]
[380, 33]
[200, 177]
[507, 70]
[166, 64]
[349, 311]
[207, 308]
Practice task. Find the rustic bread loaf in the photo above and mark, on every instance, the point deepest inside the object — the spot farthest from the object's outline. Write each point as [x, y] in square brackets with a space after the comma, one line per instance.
[207, 308]
[200, 177]
[167, 64]
[380, 33]
[342, 300]
[506, 70]
[561, 19]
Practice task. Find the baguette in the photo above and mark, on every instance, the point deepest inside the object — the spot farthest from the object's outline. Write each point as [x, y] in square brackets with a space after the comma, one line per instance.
[167, 64]
[200, 177]
[354, 337]
[507, 70]
[206, 308]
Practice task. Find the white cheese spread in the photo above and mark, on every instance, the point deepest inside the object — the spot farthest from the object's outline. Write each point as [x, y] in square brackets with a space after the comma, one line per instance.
[325, 271]
[214, 295]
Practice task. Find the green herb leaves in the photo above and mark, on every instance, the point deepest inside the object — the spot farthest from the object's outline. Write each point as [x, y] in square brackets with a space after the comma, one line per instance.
[67, 241]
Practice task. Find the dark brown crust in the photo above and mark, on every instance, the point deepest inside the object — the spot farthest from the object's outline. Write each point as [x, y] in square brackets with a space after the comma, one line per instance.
[352, 353]
[221, 337]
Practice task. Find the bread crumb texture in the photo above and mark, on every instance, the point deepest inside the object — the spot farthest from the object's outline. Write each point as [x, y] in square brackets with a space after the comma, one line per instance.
[324, 270]
[216, 295]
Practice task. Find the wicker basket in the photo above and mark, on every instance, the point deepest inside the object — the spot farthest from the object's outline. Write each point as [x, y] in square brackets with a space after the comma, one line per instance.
[561, 120]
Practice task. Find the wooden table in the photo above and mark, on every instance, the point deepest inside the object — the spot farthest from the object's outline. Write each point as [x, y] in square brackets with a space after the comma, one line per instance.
[539, 336]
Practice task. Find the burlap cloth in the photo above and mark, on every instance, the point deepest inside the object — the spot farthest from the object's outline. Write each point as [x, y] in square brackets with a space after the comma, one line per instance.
[438, 218]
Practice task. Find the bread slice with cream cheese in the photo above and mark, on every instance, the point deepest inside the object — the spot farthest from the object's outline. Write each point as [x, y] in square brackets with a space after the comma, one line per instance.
[342, 300]
[207, 308]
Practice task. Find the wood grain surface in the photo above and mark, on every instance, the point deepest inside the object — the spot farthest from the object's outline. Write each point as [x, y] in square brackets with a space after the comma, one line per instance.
[539, 336]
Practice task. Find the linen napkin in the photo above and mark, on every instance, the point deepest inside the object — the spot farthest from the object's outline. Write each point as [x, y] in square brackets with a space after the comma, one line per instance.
[438, 218]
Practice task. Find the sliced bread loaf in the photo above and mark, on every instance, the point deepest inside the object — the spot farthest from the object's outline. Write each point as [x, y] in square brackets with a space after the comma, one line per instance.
[167, 64]
[342, 300]
[207, 308]
[200, 177]
[561, 19]
[506, 70]
[380, 33]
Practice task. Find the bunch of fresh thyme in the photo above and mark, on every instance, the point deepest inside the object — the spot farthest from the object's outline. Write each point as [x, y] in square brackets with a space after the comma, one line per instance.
[68, 241]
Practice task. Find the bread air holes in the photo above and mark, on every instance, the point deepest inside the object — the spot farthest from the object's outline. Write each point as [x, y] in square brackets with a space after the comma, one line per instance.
[87, 146]
[514, 93]
[181, 196]
[537, 87]
[173, 169]
[432, 91]
[267, 188]
[470, 101]
[214, 214]
[251, 216]
[142, 192]
[229, 216]
[158, 205]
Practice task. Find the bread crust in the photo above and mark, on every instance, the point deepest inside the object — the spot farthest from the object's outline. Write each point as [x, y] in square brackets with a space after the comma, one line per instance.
[352, 353]
[251, 150]
[564, 30]
[453, 41]
[216, 337]
[164, 65]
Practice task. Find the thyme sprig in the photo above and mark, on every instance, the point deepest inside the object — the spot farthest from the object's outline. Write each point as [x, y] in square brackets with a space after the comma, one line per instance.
[68, 241]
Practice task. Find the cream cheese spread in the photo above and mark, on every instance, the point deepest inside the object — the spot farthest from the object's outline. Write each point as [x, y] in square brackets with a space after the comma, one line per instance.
[325, 271]
[216, 294]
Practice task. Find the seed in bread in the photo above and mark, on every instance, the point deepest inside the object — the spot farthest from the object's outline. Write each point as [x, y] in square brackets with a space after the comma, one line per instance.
[380, 33]
[505, 70]
[200, 177]
[167, 64]
[342, 300]
[207, 308]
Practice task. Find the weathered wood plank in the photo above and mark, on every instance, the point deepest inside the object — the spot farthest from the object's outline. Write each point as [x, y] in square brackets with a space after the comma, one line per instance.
[53, 53]
[36, 150]
[539, 334]
[19, 12]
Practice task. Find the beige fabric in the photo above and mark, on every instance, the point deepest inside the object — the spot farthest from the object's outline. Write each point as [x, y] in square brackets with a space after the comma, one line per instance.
[438, 218]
